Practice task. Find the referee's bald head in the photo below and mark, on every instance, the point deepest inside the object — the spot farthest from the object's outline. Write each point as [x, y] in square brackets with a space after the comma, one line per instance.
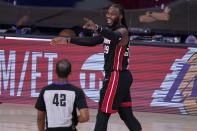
[63, 68]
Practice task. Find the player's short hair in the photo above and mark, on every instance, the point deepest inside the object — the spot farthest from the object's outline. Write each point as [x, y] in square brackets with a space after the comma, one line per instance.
[63, 68]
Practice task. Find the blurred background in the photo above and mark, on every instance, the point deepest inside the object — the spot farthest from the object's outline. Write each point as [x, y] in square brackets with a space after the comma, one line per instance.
[171, 21]
[163, 54]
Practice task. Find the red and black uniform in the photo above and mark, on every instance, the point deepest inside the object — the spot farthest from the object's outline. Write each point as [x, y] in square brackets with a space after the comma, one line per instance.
[118, 79]
[115, 93]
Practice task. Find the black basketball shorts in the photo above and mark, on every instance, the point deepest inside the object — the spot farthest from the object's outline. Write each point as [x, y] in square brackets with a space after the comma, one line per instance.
[115, 92]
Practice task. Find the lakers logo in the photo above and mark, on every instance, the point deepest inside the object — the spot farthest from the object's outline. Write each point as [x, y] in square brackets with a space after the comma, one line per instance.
[188, 87]
[179, 88]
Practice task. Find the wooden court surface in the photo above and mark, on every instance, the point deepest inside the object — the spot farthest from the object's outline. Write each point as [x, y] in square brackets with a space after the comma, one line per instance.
[23, 118]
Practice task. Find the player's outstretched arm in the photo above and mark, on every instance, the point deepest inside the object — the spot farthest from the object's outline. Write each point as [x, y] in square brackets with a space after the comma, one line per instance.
[83, 41]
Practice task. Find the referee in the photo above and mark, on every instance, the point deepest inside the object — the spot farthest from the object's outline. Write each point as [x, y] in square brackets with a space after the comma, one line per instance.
[58, 102]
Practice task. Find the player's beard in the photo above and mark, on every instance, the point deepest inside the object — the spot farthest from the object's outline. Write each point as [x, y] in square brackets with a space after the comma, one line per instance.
[114, 24]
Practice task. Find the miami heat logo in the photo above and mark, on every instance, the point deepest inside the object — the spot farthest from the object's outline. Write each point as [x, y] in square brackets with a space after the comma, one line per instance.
[179, 89]
[91, 76]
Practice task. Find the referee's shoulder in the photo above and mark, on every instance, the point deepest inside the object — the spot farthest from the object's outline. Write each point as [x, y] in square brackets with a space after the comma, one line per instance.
[48, 87]
[74, 87]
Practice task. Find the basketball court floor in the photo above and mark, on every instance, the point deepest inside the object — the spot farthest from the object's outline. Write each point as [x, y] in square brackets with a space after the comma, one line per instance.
[23, 118]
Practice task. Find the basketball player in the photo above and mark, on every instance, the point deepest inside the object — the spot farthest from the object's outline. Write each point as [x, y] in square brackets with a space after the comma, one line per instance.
[115, 93]
[57, 103]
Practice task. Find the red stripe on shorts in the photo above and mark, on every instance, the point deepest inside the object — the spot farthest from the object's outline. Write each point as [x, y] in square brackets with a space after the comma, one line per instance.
[110, 93]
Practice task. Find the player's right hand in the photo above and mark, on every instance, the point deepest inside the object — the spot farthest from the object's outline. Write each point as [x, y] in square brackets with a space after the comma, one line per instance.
[60, 41]
[90, 25]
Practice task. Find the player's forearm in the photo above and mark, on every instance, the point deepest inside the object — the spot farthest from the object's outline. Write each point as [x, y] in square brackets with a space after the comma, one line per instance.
[112, 35]
[87, 41]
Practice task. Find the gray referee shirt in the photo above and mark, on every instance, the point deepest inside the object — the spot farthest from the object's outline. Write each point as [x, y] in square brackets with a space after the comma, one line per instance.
[60, 101]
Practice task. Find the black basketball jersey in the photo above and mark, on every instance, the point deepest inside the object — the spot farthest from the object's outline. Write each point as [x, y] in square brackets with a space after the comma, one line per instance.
[116, 57]
[60, 101]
